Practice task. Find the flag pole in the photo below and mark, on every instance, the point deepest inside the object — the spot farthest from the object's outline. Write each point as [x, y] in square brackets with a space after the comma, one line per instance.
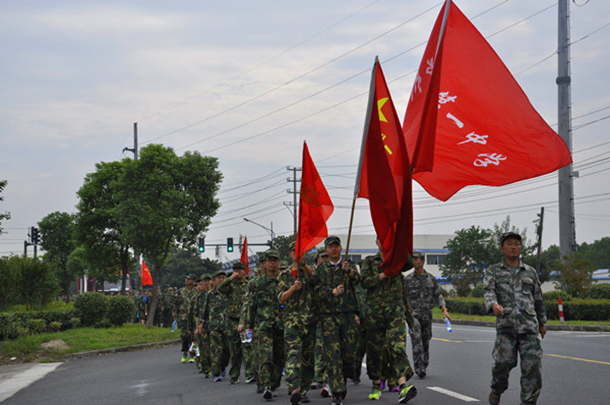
[443, 27]
[367, 123]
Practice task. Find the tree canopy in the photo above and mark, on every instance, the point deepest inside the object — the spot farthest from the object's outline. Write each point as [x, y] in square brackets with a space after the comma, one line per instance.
[5, 215]
[56, 231]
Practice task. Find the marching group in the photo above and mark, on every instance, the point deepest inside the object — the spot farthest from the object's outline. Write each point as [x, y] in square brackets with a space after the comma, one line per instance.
[312, 325]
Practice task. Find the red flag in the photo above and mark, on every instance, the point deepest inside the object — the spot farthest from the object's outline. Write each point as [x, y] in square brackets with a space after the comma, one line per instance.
[146, 278]
[244, 256]
[384, 176]
[315, 207]
[481, 124]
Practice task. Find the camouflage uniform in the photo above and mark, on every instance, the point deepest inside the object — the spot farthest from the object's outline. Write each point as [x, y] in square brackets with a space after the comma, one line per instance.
[387, 310]
[264, 314]
[517, 290]
[423, 292]
[300, 317]
[250, 364]
[338, 322]
[184, 316]
[214, 321]
[203, 339]
[234, 291]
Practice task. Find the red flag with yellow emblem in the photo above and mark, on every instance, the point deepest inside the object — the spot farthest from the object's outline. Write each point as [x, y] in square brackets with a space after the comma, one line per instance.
[384, 176]
[315, 207]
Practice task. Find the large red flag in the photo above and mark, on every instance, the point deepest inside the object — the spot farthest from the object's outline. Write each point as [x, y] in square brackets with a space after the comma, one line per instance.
[315, 207]
[244, 256]
[469, 112]
[384, 176]
[146, 277]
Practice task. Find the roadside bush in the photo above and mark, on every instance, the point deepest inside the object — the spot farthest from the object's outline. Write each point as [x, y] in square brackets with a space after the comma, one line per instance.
[477, 292]
[74, 322]
[579, 310]
[54, 326]
[555, 295]
[37, 326]
[599, 292]
[91, 308]
[120, 309]
[104, 323]
[465, 305]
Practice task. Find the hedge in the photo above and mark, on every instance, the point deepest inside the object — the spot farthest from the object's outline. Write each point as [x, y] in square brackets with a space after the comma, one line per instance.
[15, 324]
[573, 310]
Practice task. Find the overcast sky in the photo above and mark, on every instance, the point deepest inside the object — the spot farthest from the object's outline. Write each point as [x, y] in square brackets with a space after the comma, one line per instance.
[249, 81]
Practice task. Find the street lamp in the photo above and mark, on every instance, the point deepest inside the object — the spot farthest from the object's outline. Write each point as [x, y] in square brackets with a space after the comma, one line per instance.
[265, 228]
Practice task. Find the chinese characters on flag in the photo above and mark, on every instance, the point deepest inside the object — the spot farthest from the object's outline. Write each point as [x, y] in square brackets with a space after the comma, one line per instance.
[315, 207]
[146, 277]
[468, 122]
[244, 256]
[384, 176]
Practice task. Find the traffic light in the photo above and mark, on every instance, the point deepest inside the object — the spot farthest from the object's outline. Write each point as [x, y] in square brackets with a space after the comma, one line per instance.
[201, 245]
[35, 236]
[229, 244]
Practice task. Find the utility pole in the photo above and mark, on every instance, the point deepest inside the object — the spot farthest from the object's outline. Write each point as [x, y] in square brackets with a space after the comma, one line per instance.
[539, 226]
[134, 150]
[294, 193]
[567, 226]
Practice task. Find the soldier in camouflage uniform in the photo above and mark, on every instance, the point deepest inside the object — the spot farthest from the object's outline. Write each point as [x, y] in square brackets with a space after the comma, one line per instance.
[423, 292]
[338, 310]
[320, 375]
[201, 335]
[185, 323]
[513, 295]
[234, 288]
[214, 320]
[387, 310]
[264, 314]
[300, 316]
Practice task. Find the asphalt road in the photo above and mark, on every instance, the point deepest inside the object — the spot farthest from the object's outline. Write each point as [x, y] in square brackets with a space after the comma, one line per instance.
[576, 366]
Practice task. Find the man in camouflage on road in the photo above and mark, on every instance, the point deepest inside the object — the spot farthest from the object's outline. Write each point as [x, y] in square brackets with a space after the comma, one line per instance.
[204, 364]
[264, 314]
[513, 295]
[423, 293]
[300, 316]
[387, 310]
[187, 295]
[338, 308]
[234, 289]
[214, 320]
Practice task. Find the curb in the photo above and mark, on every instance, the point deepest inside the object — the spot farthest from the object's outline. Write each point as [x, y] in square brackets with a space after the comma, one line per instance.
[570, 328]
[142, 346]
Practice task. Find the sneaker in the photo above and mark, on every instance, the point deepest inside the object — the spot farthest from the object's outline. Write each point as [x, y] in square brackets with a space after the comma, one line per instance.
[421, 374]
[325, 391]
[223, 373]
[184, 358]
[217, 378]
[494, 399]
[295, 397]
[259, 389]
[315, 386]
[234, 381]
[249, 379]
[407, 394]
[206, 375]
[305, 399]
[375, 393]
[337, 400]
[191, 359]
[267, 394]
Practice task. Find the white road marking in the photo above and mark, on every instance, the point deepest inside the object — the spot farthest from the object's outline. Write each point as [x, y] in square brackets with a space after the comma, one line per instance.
[11, 386]
[453, 394]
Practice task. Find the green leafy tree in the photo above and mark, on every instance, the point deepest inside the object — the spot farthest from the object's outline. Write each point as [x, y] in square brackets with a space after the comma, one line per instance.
[282, 245]
[183, 262]
[575, 274]
[98, 224]
[35, 281]
[56, 231]
[5, 215]
[8, 280]
[166, 201]
[598, 252]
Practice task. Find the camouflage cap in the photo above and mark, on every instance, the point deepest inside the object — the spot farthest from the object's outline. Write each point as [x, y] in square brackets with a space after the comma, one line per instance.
[239, 265]
[262, 257]
[509, 235]
[191, 277]
[220, 273]
[419, 254]
[292, 245]
[272, 253]
[205, 277]
[330, 240]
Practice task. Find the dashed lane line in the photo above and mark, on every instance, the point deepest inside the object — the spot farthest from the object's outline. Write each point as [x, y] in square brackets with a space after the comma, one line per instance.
[453, 394]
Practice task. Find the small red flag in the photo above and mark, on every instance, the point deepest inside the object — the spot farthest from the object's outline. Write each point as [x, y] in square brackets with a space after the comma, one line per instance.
[384, 176]
[469, 112]
[146, 277]
[315, 207]
[244, 256]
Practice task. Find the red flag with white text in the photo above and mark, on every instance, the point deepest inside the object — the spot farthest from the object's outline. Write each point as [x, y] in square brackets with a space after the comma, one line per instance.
[244, 256]
[146, 277]
[315, 207]
[384, 176]
[469, 112]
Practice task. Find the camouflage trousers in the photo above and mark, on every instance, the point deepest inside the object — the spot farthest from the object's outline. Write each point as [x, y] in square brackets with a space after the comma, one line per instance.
[420, 342]
[340, 333]
[248, 359]
[271, 357]
[185, 335]
[235, 348]
[219, 352]
[388, 335]
[299, 341]
[320, 359]
[203, 361]
[506, 348]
